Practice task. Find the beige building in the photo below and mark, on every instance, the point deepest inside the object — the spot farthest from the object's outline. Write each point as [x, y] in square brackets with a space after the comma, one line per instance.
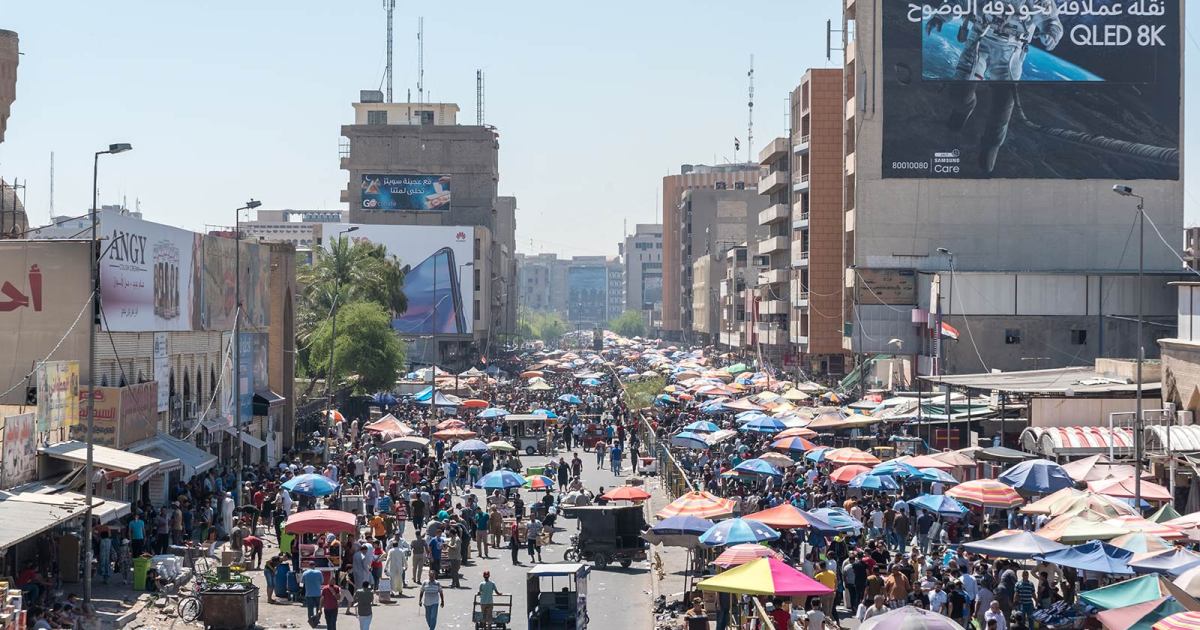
[774, 250]
[9, 59]
[707, 273]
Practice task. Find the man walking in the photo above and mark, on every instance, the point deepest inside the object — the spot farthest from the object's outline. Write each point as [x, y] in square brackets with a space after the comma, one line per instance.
[487, 594]
[312, 581]
[432, 598]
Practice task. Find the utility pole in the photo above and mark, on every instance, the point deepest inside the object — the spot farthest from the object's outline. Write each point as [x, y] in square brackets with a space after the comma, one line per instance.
[390, 7]
[1138, 421]
[237, 343]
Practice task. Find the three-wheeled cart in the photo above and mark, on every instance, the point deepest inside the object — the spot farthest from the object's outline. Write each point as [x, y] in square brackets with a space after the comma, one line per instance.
[607, 533]
[556, 596]
[501, 613]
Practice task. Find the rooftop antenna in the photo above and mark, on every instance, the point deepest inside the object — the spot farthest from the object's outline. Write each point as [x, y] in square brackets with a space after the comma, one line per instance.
[390, 7]
[750, 120]
[421, 59]
[479, 97]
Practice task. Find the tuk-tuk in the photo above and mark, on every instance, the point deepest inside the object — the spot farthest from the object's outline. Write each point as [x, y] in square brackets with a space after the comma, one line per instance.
[556, 596]
[528, 433]
[607, 533]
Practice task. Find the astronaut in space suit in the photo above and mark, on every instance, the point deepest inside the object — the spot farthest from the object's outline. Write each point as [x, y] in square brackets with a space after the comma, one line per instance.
[996, 43]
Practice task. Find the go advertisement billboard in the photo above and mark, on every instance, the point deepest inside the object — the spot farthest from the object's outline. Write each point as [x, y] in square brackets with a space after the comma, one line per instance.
[1037, 89]
[147, 275]
[439, 275]
[403, 192]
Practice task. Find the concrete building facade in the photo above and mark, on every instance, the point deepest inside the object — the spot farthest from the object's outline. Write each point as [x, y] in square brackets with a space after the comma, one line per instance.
[707, 274]
[642, 254]
[9, 59]
[774, 249]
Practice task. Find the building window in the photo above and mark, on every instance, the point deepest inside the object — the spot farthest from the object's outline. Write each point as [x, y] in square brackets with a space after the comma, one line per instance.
[477, 312]
[1012, 336]
[376, 117]
[1079, 337]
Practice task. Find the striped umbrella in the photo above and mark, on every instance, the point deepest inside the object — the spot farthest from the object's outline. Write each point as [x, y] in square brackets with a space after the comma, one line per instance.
[987, 493]
[738, 555]
[539, 482]
[802, 432]
[847, 473]
[737, 530]
[766, 425]
[701, 504]
[851, 455]
[793, 444]
[1189, 620]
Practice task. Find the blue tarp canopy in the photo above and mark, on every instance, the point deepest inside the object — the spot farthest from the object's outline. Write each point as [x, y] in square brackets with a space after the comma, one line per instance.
[1172, 563]
[1036, 476]
[1020, 546]
[1093, 556]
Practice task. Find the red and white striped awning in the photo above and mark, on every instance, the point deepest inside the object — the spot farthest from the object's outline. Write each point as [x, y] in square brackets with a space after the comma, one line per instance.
[1050, 441]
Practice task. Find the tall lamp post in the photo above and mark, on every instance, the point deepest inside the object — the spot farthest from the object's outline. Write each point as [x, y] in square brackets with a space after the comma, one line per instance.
[89, 467]
[333, 337]
[1127, 191]
[237, 342]
[941, 345]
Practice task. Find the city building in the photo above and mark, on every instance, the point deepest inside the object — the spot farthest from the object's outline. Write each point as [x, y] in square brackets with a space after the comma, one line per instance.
[707, 273]
[642, 253]
[735, 293]
[712, 220]
[982, 232]
[298, 227]
[818, 272]
[691, 176]
[774, 249]
[595, 290]
[542, 282]
[13, 220]
[403, 162]
[9, 59]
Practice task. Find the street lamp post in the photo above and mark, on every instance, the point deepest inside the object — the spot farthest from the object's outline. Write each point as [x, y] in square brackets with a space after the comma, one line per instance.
[1127, 191]
[237, 343]
[337, 277]
[89, 463]
[942, 345]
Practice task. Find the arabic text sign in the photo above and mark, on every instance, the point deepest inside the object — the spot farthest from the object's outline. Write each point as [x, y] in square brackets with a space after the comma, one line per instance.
[20, 449]
[406, 192]
[162, 370]
[147, 274]
[107, 411]
[57, 394]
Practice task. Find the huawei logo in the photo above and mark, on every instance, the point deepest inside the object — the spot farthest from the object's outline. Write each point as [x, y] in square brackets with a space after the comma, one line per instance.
[461, 236]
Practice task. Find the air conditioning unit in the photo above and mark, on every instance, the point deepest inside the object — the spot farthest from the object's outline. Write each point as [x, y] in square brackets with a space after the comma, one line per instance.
[1184, 418]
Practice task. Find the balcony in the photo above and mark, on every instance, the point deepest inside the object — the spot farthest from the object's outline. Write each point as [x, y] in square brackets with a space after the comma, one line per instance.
[772, 245]
[799, 257]
[801, 300]
[774, 150]
[802, 185]
[850, 6]
[850, 51]
[799, 220]
[851, 107]
[774, 214]
[773, 182]
[773, 276]
[802, 145]
[773, 307]
[850, 220]
[850, 164]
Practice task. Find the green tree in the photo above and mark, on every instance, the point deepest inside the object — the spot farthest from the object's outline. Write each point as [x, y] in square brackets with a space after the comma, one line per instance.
[640, 394]
[366, 350]
[629, 324]
[548, 327]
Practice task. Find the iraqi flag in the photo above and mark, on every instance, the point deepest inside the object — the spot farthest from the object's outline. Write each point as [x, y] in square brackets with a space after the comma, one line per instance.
[949, 331]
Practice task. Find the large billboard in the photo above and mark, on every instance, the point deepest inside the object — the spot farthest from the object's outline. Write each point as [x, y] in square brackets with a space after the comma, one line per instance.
[405, 192]
[57, 395]
[218, 286]
[147, 274]
[439, 274]
[20, 450]
[587, 294]
[123, 415]
[1038, 89]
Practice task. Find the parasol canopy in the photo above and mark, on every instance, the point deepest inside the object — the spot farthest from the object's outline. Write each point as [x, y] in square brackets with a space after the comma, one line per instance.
[793, 444]
[1019, 546]
[895, 468]
[320, 522]
[452, 423]
[470, 446]
[678, 531]
[845, 473]
[1036, 476]
[871, 481]
[1125, 488]
[939, 504]
[500, 480]
[1141, 616]
[777, 460]
[571, 399]
[475, 403]
[539, 482]
[493, 412]
[701, 426]
[1142, 543]
[312, 485]
[851, 455]
[454, 434]
[1093, 556]
[1187, 620]
[1173, 563]
[782, 516]
[389, 424]
[501, 445]
[764, 576]
[910, 618]
[757, 467]
[737, 555]
[986, 493]
[626, 493]
[409, 443]
[765, 424]
[697, 503]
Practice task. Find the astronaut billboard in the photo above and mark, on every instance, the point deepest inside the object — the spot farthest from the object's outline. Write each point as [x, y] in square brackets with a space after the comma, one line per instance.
[1037, 89]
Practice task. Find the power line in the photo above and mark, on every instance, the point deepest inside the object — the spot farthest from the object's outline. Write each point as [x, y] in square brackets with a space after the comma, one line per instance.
[86, 302]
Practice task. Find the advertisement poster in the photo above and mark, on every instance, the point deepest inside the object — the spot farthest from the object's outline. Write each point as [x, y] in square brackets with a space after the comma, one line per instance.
[162, 371]
[219, 284]
[107, 411]
[57, 394]
[138, 415]
[146, 274]
[1039, 89]
[227, 377]
[587, 294]
[406, 192]
[247, 344]
[439, 274]
[20, 450]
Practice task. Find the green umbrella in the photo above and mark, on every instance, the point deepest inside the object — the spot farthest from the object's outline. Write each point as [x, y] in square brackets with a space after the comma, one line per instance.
[1164, 514]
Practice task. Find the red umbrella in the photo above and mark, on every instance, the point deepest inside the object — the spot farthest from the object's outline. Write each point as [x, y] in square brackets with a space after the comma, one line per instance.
[626, 493]
[320, 522]
[738, 555]
[454, 434]
[846, 473]
[475, 403]
[451, 424]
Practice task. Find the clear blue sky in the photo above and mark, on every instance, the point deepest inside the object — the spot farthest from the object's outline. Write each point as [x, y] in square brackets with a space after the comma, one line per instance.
[228, 100]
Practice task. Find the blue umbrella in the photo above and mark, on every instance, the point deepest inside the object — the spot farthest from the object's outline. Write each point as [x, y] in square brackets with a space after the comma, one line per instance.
[736, 531]
[687, 439]
[312, 485]
[590, 382]
[939, 504]
[872, 481]
[545, 412]
[571, 399]
[662, 400]
[895, 469]
[936, 474]
[682, 524]
[758, 467]
[500, 480]
[493, 412]
[1036, 476]
[383, 399]
[470, 446]
[747, 416]
[628, 370]
[703, 426]
[764, 425]
[828, 520]
[817, 455]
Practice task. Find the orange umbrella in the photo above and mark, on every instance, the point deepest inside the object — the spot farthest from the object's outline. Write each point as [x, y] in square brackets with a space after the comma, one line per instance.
[738, 555]
[800, 432]
[987, 493]
[475, 403]
[701, 504]
[848, 472]
[782, 516]
[531, 374]
[336, 415]
[451, 424]
[1125, 489]
[454, 434]
[851, 455]
[626, 493]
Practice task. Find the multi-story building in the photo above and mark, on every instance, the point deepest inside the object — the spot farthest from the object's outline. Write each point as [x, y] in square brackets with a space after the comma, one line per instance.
[642, 253]
[298, 227]
[707, 274]
[9, 58]
[774, 251]
[735, 293]
[989, 206]
[691, 176]
[404, 160]
[505, 264]
[542, 283]
[595, 290]
[712, 220]
[816, 326]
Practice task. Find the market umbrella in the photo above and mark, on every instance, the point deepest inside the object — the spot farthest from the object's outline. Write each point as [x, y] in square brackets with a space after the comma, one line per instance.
[545, 412]
[626, 493]
[939, 504]
[935, 474]
[571, 399]
[926, 461]
[1189, 581]
[871, 481]
[895, 468]
[678, 531]
[1036, 476]
[1187, 620]
[475, 403]
[910, 618]
[1142, 543]
[493, 412]
[986, 493]
[1141, 616]
[409, 443]
[321, 522]
[1129, 592]
[1126, 488]
[500, 480]
[539, 482]
[697, 503]
[335, 415]
[1081, 527]
[778, 460]
[757, 467]
[764, 576]
[737, 555]
[817, 455]
[782, 516]
[765, 425]
[737, 530]
[687, 439]
[1138, 524]
[1165, 513]
[590, 382]
[454, 434]
[793, 444]
[844, 474]
[701, 426]
[389, 424]
[470, 446]
[1173, 563]
[383, 399]
[501, 445]
[1019, 546]
[800, 432]
[851, 455]
[832, 520]
[452, 423]
[312, 485]
[1093, 556]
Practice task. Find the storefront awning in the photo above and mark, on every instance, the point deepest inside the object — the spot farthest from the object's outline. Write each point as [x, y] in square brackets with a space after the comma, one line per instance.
[165, 447]
[22, 520]
[264, 400]
[103, 457]
[249, 440]
[104, 510]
